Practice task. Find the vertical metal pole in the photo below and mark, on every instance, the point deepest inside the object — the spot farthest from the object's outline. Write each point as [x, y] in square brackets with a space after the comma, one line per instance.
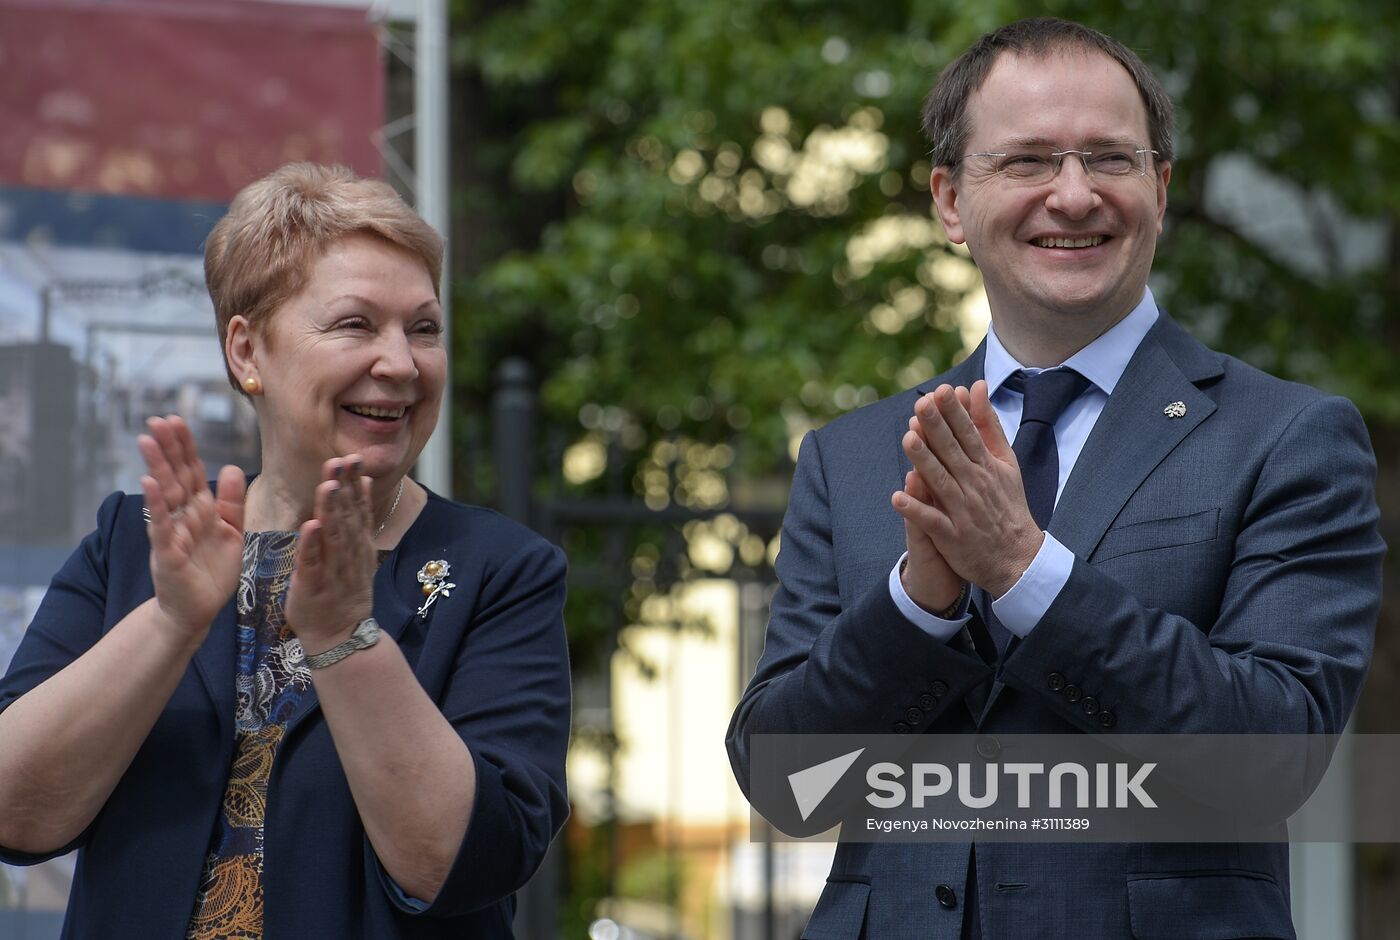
[513, 432]
[430, 136]
[45, 311]
[753, 623]
[675, 773]
[86, 413]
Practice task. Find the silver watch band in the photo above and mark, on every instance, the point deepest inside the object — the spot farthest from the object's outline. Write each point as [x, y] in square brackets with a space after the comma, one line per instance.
[365, 635]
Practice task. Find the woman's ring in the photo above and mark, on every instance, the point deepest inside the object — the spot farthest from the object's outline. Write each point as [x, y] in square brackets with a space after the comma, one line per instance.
[174, 513]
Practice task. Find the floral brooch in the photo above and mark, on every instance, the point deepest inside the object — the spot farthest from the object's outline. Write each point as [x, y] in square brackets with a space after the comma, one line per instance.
[433, 576]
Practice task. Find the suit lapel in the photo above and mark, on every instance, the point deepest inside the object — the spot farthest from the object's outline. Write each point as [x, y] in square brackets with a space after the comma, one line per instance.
[964, 373]
[1131, 437]
[214, 664]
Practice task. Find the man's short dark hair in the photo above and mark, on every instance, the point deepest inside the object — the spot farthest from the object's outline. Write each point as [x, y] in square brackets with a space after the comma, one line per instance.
[945, 109]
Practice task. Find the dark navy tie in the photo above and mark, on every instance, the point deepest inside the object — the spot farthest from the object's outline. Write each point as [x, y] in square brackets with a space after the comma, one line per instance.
[1047, 394]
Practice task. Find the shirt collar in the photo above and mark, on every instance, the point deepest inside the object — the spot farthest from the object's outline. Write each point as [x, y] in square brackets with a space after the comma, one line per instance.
[1102, 362]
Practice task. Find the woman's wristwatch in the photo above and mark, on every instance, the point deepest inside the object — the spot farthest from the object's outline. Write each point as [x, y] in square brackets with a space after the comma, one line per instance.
[366, 635]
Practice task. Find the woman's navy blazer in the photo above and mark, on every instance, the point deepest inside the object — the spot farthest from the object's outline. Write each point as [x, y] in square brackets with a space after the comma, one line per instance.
[492, 655]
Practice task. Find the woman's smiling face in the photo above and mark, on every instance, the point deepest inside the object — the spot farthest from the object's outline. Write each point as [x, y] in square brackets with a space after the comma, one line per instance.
[354, 363]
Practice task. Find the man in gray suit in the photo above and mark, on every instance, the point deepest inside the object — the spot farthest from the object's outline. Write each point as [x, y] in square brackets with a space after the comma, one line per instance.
[1175, 543]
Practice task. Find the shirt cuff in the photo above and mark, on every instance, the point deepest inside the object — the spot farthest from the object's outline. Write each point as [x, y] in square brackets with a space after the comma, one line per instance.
[936, 627]
[1021, 608]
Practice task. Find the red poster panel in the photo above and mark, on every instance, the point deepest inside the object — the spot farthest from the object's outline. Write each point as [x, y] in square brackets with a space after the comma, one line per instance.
[183, 99]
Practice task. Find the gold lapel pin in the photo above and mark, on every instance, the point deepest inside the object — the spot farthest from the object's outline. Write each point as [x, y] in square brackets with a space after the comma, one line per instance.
[1176, 409]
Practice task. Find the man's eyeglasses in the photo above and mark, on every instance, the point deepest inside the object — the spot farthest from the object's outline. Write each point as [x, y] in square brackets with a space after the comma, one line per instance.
[1041, 166]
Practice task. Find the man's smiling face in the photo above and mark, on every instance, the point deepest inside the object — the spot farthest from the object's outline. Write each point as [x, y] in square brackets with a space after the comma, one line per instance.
[1073, 246]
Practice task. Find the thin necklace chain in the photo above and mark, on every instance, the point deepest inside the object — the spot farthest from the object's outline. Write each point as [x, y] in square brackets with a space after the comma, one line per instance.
[390, 514]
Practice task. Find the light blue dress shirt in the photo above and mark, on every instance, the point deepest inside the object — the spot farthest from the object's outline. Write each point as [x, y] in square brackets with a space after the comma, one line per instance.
[1102, 362]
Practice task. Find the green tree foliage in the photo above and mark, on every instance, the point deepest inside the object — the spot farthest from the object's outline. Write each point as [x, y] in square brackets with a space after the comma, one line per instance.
[746, 243]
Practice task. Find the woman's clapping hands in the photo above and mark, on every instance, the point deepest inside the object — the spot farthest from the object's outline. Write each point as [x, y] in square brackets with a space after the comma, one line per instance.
[332, 588]
[196, 536]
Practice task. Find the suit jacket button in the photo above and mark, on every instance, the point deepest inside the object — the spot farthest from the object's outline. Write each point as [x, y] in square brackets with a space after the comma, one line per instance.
[939, 688]
[913, 715]
[927, 701]
[945, 896]
[1054, 682]
[1107, 719]
[1090, 705]
[901, 728]
[988, 747]
[1073, 694]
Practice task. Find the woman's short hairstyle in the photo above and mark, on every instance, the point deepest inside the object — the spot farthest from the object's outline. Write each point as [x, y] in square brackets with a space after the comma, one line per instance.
[945, 110]
[260, 254]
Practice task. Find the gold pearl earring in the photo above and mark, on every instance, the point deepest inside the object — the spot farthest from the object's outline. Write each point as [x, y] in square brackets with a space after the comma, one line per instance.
[252, 384]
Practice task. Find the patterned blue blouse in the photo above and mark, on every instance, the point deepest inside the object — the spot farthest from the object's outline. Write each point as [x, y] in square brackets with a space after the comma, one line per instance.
[271, 676]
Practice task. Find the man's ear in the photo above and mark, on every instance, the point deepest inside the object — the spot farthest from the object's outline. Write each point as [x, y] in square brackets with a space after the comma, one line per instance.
[1163, 178]
[943, 184]
[240, 349]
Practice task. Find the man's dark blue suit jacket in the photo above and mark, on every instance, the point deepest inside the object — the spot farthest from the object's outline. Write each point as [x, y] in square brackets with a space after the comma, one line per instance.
[1227, 580]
